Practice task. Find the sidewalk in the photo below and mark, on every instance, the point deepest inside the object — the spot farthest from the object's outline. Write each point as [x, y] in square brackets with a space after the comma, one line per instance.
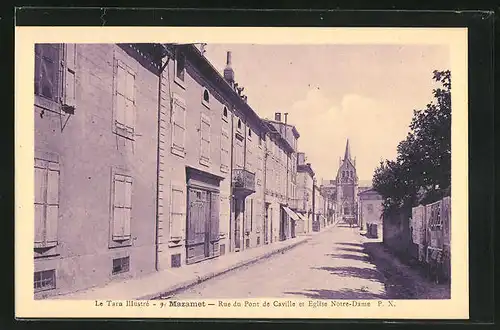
[402, 280]
[169, 281]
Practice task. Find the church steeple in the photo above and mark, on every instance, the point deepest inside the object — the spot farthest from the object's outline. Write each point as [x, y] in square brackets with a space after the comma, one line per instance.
[347, 155]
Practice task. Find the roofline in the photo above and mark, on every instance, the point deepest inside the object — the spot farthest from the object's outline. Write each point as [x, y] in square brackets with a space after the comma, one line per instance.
[214, 76]
[294, 129]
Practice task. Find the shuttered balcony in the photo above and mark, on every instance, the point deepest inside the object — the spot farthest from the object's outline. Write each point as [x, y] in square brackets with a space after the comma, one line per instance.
[243, 182]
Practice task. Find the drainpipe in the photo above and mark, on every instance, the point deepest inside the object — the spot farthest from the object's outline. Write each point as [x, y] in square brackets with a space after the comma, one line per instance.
[157, 225]
[314, 203]
[231, 197]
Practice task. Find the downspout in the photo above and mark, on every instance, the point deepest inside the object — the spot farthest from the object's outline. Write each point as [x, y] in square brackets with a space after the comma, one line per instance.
[313, 202]
[231, 197]
[157, 225]
[266, 215]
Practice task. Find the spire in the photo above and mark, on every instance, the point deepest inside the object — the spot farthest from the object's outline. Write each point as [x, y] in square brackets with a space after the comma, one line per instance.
[347, 154]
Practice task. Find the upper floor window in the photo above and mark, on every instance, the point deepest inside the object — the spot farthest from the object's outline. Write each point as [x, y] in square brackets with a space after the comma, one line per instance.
[206, 98]
[249, 133]
[239, 123]
[180, 69]
[55, 66]
[224, 114]
[47, 70]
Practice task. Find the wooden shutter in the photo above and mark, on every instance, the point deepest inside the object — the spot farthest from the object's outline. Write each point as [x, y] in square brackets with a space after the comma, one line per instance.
[52, 215]
[193, 214]
[69, 75]
[122, 207]
[248, 214]
[118, 208]
[121, 102]
[130, 100]
[179, 124]
[127, 208]
[205, 137]
[214, 216]
[225, 147]
[177, 212]
[40, 191]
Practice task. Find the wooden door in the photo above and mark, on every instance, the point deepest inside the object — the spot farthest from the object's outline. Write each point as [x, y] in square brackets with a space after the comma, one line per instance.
[197, 225]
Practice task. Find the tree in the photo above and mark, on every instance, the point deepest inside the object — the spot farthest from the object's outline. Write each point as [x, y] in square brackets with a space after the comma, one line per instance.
[422, 169]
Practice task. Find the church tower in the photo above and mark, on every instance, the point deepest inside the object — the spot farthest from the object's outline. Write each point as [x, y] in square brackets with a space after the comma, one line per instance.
[347, 187]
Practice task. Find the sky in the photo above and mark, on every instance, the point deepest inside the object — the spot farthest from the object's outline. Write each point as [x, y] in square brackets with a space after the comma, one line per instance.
[366, 93]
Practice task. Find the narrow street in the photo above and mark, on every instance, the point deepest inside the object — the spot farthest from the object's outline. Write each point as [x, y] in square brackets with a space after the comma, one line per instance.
[332, 265]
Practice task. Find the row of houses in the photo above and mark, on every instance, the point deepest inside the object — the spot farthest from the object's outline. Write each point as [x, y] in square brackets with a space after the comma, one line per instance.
[147, 158]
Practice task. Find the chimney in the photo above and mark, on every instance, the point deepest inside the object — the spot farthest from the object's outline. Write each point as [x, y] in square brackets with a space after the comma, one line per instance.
[277, 116]
[228, 71]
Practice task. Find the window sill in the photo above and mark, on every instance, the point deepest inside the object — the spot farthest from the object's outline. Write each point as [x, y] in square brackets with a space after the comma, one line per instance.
[47, 104]
[123, 133]
[118, 244]
[206, 104]
[178, 152]
[224, 168]
[205, 162]
[180, 83]
[46, 252]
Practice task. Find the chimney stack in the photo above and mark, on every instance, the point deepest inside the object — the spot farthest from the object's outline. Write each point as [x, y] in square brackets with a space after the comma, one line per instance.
[228, 71]
[277, 116]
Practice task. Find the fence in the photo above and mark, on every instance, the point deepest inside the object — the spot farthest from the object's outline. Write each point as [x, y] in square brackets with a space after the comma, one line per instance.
[430, 226]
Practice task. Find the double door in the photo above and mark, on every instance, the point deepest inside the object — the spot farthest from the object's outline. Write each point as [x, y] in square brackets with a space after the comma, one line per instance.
[202, 239]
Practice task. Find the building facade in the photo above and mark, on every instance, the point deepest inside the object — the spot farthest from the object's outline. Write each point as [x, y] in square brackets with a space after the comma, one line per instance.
[95, 108]
[281, 172]
[370, 208]
[147, 158]
[305, 185]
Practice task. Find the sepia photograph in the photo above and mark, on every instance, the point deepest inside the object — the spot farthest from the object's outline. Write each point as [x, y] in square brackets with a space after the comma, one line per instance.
[205, 173]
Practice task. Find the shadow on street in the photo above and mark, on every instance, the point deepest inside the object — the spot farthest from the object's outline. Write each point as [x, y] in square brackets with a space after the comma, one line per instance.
[364, 273]
[360, 250]
[351, 244]
[339, 294]
[348, 256]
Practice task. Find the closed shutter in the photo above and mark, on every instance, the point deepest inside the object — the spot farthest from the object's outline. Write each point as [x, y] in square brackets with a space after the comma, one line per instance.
[248, 214]
[52, 206]
[122, 207]
[214, 216]
[179, 124]
[177, 212]
[205, 137]
[46, 203]
[40, 190]
[193, 214]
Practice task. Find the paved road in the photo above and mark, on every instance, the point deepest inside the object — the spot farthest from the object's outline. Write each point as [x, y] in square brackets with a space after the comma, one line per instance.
[332, 265]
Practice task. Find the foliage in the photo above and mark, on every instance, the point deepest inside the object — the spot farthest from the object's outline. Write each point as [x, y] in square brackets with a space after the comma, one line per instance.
[422, 169]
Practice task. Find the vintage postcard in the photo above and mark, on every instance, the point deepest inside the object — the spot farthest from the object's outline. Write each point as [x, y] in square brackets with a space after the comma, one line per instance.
[210, 172]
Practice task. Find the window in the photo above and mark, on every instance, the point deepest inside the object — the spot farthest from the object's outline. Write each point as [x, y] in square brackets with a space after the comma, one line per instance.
[224, 153]
[260, 141]
[370, 208]
[248, 214]
[122, 207]
[124, 100]
[177, 212]
[205, 140]
[239, 123]
[206, 98]
[45, 280]
[46, 203]
[346, 210]
[179, 126]
[249, 133]
[180, 67]
[224, 114]
[121, 265]
[47, 71]
[55, 70]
